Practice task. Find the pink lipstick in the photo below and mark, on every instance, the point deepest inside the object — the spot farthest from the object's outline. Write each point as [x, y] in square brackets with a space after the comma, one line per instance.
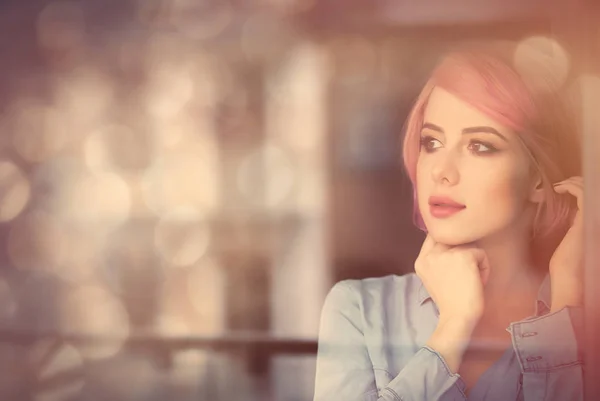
[441, 207]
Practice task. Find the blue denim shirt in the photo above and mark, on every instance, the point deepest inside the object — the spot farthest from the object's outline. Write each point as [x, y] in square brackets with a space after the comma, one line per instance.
[372, 347]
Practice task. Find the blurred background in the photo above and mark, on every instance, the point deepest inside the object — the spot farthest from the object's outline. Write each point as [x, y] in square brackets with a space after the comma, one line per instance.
[182, 181]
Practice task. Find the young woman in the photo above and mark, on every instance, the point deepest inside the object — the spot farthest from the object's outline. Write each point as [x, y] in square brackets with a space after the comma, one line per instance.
[494, 308]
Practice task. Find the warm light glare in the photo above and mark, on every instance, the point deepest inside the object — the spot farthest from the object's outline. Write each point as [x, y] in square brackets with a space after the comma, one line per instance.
[296, 109]
[206, 291]
[36, 241]
[130, 376]
[80, 264]
[98, 201]
[39, 131]
[14, 189]
[169, 89]
[85, 95]
[181, 181]
[8, 304]
[66, 359]
[117, 146]
[173, 327]
[182, 237]
[543, 63]
[585, 91]
[94, 311]
[141, 162]
[266, 176]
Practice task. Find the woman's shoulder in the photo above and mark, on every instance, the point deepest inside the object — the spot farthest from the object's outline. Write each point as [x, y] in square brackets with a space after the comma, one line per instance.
[375, 290]
[389, 282]
[377, 306]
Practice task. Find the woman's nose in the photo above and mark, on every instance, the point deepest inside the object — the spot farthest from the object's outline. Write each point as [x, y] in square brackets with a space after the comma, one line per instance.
[445, 169]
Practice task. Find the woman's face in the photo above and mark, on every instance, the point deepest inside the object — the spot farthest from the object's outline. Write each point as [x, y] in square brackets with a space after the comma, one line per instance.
[468, 157]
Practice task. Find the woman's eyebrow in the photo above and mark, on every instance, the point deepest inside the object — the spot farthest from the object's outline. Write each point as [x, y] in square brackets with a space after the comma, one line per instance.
[469, 130]
[485, 129]
[433, 127]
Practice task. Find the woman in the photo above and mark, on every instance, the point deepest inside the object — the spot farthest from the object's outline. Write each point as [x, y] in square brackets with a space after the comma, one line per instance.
[494, 308]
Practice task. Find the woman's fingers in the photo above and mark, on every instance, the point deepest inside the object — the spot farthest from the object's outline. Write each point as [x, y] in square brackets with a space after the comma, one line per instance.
[429, 245]
[571, 187]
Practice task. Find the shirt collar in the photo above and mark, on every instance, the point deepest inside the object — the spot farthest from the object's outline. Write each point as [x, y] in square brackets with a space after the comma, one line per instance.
[543, 297]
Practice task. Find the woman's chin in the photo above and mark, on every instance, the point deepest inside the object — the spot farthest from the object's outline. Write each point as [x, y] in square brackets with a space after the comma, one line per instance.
[451, 238]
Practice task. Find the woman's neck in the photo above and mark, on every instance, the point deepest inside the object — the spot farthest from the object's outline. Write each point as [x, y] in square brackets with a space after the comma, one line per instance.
[514, 281]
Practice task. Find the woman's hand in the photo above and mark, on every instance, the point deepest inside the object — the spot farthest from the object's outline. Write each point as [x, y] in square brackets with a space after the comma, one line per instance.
[566, 264]
[454, 277]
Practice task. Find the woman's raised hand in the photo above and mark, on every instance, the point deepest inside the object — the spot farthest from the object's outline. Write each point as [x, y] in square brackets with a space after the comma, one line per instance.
[455, 277]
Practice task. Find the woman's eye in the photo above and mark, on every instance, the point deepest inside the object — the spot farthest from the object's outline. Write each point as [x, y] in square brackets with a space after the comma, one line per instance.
[482, 147]
[428, 143]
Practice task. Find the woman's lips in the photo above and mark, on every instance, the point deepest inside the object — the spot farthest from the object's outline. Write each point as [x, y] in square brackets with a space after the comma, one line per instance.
[443, 211]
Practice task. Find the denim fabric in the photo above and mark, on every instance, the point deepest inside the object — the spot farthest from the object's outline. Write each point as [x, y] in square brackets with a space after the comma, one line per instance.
[372, 347]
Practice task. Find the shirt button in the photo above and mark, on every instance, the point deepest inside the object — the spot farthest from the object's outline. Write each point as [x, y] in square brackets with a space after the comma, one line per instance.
[533, 358]
[530, 334]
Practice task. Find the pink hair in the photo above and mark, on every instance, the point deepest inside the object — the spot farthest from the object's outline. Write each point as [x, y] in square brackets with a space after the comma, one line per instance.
[484, 77]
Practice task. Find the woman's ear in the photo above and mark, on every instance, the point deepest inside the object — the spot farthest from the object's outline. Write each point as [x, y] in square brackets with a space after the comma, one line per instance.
[537, 194]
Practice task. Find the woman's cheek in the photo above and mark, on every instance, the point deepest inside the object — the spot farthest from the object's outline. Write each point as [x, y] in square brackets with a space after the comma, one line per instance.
[503, 194]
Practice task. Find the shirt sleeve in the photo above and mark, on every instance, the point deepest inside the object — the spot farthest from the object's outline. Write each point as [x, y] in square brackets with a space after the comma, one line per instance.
[344, 370]
[550, 354]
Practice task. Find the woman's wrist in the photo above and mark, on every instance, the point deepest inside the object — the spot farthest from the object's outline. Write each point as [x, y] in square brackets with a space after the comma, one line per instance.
[451, 338]
[566, 291]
